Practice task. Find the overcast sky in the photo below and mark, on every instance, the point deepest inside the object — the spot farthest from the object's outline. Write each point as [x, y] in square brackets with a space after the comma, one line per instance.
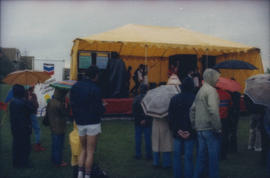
[46, 29]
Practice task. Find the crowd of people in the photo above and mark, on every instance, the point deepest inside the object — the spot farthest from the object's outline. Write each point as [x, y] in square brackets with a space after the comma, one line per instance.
[204, 117]
[201, 116]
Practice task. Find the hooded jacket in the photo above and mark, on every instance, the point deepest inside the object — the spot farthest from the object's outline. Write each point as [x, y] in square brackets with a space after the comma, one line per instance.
[204, 113]
[56, 112]
[179, 109]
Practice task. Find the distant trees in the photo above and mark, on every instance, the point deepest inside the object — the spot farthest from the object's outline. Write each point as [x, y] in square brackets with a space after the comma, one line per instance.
[268, 70]
[6, 66]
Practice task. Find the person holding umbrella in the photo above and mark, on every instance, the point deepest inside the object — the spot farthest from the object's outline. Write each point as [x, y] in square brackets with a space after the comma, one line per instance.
[233, 88]
[31, 96]
[257, 91]
[57, 116]
[20, 111]
[162, 140]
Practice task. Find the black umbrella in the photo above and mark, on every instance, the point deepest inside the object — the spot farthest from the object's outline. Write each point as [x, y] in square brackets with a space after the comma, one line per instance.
[235, 64]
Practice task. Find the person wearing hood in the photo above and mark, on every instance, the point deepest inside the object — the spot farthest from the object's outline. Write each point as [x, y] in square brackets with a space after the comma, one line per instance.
[162, 140]
[57, 116]
[184, 135]
[143, 125]
[21, 129]
[205, 119]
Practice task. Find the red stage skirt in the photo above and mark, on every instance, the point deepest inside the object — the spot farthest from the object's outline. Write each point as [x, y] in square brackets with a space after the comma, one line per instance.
[118, 105]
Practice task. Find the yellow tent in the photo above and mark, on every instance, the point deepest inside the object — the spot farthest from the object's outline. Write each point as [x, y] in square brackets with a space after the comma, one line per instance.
[153, 45]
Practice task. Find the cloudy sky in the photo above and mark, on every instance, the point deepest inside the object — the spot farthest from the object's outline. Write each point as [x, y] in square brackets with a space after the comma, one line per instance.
[46, 29]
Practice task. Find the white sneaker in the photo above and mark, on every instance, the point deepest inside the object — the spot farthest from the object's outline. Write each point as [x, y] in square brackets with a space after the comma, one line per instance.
[257, 149]
[80, 174]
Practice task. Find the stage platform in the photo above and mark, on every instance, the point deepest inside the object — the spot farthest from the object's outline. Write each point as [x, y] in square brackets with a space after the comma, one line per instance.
[118, 106]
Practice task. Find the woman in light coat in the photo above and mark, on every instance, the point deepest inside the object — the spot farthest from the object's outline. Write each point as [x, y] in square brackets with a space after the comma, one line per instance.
[162, 140]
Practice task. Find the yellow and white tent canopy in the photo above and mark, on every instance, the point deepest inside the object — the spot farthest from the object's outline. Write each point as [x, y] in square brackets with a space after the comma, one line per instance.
[153, 45]
[153, 41]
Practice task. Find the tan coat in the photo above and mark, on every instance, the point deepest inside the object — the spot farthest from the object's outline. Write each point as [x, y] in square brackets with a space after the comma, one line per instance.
[162, 140]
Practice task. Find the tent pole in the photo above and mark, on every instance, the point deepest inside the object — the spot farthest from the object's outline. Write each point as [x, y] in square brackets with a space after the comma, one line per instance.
[160, 68]
[145, 55]
[145, 61]
[206, 58]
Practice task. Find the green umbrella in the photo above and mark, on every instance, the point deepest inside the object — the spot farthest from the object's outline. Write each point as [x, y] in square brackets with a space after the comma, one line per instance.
[65, 84]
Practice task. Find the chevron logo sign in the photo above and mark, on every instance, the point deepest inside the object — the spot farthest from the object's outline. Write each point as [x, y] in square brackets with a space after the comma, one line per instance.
[48, 68]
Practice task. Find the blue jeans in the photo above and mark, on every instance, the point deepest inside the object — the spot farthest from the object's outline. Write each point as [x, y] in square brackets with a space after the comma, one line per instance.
[166, 159]
[36, 127]
[208, 151]
[139, 130]
[267, 130]
[188, 145]
[268, 162]
[57, 148]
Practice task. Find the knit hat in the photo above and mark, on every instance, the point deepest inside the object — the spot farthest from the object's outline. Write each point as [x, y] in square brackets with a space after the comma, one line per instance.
[173, 80]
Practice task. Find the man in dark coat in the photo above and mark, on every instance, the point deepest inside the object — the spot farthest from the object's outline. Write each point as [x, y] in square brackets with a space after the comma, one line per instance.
[20, 111]
[234, 115]
[117, 77]
[143, 124]
[180, 125]
[87, 109]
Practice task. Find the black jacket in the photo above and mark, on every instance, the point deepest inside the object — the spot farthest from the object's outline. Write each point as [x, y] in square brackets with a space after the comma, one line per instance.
[138, 112]
[20, 111]
[179, 110]
[86, 103]
[252, 107]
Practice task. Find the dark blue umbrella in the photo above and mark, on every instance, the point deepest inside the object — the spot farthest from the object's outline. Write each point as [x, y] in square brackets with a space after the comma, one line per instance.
[235, 64]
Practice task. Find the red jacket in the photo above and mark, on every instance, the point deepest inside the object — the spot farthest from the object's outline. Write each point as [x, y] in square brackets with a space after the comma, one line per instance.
[225, 103]
[3, 106]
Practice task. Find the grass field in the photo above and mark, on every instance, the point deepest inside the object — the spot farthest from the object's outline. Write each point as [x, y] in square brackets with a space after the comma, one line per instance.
[115, 155]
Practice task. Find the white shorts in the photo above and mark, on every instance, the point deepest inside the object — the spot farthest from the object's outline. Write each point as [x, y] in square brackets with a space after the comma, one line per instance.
[90, 130]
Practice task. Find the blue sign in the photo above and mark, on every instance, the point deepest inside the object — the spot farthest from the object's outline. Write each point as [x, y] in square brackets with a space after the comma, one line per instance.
[102, 61]
[85, 62]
